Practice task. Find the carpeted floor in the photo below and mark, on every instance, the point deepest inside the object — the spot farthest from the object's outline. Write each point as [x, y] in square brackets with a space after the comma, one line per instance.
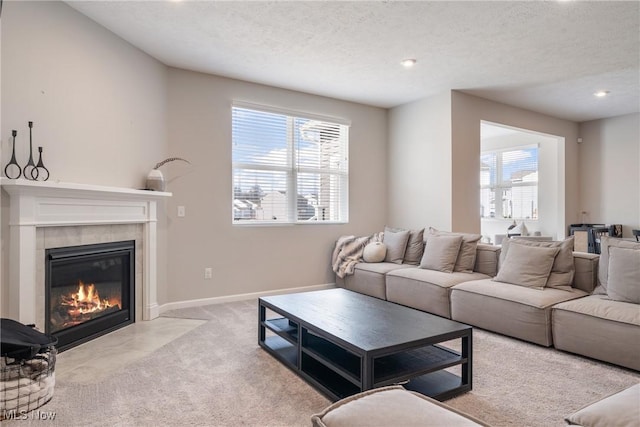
[216, 375]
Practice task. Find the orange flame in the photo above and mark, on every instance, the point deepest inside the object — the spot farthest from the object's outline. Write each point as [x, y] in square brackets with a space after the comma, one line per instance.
[86, 300]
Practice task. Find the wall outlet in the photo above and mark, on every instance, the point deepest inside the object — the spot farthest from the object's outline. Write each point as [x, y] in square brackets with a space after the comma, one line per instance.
[208, 273]
[181, 211]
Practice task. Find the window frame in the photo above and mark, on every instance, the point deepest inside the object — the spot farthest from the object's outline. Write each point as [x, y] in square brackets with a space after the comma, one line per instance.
[501, 185]
[292, 169]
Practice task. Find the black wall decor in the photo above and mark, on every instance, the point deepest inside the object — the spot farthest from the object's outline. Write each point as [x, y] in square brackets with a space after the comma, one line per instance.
[13, 169]
[40, 173]
[28, 169]
[31, 171]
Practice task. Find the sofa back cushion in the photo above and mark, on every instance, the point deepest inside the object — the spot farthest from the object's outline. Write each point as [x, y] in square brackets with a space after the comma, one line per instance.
[467, 255]
[487, 259]
[415, 247]
[527, 266]
[563, 270]
[396, 243]
[441, 252]
[586, 276]
[624, 275]
[603, 270]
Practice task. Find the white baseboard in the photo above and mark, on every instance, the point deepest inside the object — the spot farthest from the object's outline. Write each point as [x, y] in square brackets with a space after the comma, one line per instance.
[238, 297]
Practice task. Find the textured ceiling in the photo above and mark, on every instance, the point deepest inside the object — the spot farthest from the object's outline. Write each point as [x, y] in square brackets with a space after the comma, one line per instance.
[546, 56]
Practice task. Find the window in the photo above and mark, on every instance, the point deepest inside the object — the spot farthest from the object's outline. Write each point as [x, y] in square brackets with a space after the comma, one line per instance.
[509, 183]
[288, 169]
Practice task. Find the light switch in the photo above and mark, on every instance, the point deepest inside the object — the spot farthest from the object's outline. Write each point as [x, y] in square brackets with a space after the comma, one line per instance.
[181, 211]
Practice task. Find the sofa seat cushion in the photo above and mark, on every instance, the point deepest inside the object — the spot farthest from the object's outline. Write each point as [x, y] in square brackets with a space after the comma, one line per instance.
[621, 409]
[426, 290]
[389, 406]
[602, 307]
[369, 278]
[381, 267]
[538, 298]
[438, 278]
[515, 311]
[600, 328]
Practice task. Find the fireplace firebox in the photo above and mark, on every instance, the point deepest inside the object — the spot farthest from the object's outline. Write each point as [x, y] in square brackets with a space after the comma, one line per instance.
[89, 291]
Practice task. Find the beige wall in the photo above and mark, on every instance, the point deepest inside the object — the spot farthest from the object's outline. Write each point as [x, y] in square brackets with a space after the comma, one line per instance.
[98, 104]
[420, 170]
[248, 259]
[467, 112]
[609, 158]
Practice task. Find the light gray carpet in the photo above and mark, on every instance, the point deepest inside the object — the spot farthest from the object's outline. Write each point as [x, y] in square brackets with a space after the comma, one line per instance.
[216, 375]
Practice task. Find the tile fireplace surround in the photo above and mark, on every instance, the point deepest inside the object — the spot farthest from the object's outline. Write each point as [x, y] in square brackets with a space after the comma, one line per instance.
[43, 215]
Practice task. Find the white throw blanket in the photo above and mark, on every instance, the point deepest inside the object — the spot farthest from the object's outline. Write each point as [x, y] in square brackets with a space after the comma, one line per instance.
[348, 252]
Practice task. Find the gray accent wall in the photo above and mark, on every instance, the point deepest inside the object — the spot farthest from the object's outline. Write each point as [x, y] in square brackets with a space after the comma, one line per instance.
[434, 152]
[609, 158]
[420, 164]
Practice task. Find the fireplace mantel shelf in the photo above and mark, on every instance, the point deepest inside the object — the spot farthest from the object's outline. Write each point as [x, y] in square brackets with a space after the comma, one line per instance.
[68, 189]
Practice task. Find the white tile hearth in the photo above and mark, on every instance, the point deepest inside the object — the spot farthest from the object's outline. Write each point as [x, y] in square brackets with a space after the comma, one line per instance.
[96, 360]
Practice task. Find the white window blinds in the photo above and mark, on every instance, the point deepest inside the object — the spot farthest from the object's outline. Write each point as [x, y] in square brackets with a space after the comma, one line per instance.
[288, 169]
[509, 183]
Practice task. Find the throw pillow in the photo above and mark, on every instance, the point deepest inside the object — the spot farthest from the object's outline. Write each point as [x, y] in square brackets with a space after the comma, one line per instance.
[374, 252]
[467, 256]
[527, 266]
[563, 270]
[415, 247]
[396, 243]
[624, 275]
[441, 252]
[603, 263]
[618, 409]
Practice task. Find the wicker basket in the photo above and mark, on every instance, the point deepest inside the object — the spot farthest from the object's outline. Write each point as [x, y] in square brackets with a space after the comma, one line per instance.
[27, 368]
[27, 384]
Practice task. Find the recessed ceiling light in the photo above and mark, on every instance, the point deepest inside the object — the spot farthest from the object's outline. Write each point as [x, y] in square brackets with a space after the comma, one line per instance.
[601, 93]
[408, 63]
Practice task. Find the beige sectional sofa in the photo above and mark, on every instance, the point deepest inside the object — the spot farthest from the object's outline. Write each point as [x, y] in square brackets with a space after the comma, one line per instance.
[568, 317]
[599, 326]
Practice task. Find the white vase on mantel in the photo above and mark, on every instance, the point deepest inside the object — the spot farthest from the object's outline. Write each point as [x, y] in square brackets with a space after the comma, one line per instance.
[155, 180]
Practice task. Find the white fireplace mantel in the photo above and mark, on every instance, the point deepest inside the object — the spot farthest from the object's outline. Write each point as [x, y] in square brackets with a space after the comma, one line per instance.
[35, 204]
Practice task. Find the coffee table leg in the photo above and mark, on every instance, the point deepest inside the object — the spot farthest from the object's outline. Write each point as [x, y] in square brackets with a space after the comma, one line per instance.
[467, 352]
[367, 372]
[262, 312]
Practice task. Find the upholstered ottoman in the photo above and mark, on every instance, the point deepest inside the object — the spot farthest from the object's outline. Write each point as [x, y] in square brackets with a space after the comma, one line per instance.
[391, 406]
[621, 409]
[598, 327]
[486, 304]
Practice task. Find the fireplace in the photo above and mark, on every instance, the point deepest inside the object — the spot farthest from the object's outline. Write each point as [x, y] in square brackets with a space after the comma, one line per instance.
[89, 290]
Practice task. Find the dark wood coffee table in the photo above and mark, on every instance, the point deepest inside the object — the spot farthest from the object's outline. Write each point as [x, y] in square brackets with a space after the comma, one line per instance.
[343, 342]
